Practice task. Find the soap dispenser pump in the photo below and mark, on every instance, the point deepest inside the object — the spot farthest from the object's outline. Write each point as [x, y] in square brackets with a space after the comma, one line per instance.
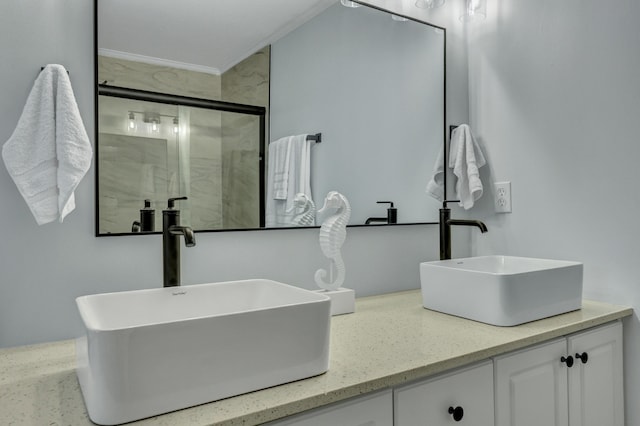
[392, 212]
[147, 217]
[147, 222]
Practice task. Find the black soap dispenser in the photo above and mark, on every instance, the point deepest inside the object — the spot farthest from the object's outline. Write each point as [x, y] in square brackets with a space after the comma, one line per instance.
[392, 212]
[147, 221]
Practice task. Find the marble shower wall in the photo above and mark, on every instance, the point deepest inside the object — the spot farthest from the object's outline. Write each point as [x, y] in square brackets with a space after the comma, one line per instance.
[134, 165]
[157, 78]
[245, 83]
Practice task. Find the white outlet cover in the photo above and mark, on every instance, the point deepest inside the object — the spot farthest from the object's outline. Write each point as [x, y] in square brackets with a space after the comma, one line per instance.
[502, 194]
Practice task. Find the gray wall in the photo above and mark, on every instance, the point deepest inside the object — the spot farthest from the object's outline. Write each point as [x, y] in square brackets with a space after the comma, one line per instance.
[555, 99]
[45, 268]
[374, 88]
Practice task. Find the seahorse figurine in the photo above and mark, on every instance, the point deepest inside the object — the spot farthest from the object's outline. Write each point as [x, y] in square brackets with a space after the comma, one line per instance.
[333, 232]
[307, 216]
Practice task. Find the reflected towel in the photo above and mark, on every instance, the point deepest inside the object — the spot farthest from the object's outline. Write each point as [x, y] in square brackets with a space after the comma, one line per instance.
[435, 186]
[465, 159]
[279, 157]
[49, 151]
[280, 208]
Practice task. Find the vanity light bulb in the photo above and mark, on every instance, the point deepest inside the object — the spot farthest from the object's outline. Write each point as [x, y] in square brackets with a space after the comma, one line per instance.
[176, 127]
[155, 126]
[132, 122]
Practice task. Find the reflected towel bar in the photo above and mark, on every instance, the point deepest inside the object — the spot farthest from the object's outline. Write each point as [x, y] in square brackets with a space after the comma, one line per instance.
[317, 138]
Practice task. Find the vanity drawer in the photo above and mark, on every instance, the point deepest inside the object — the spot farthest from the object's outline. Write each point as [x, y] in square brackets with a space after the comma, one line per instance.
[369, 410]
[462, 397]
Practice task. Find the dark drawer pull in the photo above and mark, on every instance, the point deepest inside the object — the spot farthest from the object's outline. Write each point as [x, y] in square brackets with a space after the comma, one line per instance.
[457, 413]
[568, 360]
[584, 357]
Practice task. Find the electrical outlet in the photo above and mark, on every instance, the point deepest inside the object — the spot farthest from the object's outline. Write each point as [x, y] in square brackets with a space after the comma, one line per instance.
[502, 193]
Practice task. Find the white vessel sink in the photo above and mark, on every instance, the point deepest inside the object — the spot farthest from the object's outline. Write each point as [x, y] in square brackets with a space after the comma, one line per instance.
[501, 290]
[148, 352]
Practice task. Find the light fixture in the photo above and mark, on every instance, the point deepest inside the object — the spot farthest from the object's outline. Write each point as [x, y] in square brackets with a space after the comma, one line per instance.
[398, 18]
[153, 121]
[429, 4]
[475, 10]
[348, 3]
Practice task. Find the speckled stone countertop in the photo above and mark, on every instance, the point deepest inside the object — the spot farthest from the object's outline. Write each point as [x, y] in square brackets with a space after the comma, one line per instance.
[391, 339]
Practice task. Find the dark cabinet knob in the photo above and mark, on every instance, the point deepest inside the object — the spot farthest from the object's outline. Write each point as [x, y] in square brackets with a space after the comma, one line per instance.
[457, 413]
[568, 360]
[584, 357]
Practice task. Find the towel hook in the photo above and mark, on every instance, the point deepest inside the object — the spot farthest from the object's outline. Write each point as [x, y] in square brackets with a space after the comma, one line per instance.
[42, 68]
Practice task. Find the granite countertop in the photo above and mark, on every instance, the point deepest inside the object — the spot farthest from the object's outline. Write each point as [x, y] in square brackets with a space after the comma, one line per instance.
[391, 339]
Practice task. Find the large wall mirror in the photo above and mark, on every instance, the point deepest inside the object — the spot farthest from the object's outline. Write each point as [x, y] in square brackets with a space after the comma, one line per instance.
[193, 96]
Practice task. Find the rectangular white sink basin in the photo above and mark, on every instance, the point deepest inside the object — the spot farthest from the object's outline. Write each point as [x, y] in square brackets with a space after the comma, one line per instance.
[501, 290]
[148, 352]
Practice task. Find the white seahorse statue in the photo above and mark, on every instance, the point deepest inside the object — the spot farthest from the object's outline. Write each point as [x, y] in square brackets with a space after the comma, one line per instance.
[307, 217]
[333, 232]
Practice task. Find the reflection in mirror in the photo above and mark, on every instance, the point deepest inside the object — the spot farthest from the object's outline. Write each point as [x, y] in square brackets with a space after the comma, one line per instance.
[372, 86]
[211, 156]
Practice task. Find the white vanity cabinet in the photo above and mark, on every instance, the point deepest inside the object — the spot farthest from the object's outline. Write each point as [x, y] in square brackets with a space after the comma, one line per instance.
[370, 410]
[596, 395]
[463, 397]
[572, 381]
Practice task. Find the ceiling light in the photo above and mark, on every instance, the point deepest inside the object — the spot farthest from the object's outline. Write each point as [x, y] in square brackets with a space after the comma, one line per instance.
[429, 4]
[475, 10]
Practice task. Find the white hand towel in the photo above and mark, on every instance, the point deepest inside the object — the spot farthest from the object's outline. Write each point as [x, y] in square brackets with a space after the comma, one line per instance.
[466, 158]
[435, 186]
[49, 151]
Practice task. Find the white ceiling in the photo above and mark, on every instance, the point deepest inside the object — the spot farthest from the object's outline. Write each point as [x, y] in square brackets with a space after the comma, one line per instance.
[204, 35]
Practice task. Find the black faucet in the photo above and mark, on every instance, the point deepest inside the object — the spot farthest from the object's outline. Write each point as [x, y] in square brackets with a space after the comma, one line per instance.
[392, 215]
[445, 229]
[171, 231]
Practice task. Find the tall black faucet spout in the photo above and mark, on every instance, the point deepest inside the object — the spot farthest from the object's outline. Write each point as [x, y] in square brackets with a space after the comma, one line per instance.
[445, 230]
[187, 232]
[171, 231]
[476, 223]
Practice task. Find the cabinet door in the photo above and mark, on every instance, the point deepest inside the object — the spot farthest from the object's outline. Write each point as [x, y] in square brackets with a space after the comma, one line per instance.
[531, 386]
[595, 386]
[468, 393]
[370, 410]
